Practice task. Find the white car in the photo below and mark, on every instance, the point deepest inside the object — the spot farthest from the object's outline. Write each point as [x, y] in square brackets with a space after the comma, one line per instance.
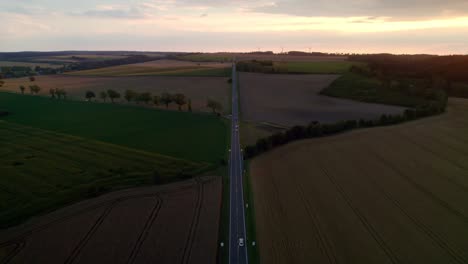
[241, 242]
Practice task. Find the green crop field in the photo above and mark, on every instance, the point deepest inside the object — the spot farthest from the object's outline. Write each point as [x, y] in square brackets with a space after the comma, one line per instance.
[320, 67]
[198, 137]
[361, 88]
[43, 170]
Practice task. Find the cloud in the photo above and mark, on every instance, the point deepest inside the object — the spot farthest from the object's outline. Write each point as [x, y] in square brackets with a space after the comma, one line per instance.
[400, 9]
[114, 11]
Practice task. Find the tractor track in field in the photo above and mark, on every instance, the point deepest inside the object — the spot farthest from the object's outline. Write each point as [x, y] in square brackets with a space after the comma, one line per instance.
[321, 237]
[89, 234]
[426, 149]
[19, 240]
[193, 225]
[421, 188]
[375, 235]
[453, 251]
[144, 233]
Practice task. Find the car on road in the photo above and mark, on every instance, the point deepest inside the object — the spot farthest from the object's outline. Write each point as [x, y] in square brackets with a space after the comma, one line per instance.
[241, 242]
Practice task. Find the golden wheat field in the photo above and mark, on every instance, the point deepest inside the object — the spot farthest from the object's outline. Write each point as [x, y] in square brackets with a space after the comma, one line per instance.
[386, 195]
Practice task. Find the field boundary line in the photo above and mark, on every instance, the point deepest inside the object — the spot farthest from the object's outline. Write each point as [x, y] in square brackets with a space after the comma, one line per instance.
[145, 231]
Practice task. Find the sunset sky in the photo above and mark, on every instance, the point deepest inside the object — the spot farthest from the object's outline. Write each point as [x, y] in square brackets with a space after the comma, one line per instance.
[369, 26]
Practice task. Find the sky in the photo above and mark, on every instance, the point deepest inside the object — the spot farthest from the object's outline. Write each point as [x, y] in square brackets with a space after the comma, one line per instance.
[357, 26]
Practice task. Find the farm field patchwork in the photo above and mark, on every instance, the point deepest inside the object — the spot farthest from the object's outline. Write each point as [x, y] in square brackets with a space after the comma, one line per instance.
[27, 64]
[159, 67]
[198, 89]
[42, 170]
[290, 100]
[223, 57]
[198, 137]
[175, 223]
[394, 194]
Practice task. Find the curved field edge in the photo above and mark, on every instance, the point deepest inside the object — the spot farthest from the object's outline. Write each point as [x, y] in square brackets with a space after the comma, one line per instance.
[365, 89]
[155, 208]
[398, 192]
[44, 170]
[192, 136]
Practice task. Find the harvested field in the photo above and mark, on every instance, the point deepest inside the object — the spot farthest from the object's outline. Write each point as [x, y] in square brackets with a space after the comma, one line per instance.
[198, 89]
[158, 67]
[294, 100]
[176, 223]
[385, 195]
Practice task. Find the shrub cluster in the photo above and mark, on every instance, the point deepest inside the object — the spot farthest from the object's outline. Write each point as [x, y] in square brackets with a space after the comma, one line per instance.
[263, 66]
[316, 129]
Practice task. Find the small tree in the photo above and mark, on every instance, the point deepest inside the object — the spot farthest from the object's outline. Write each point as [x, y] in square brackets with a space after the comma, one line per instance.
[32, 78]
[103, 96]
[52, 93]
[189, 105]
[22, 88]
[156, 100]
[166, 99]
[35, 89]
[180, 100]
[113, 95]
[90, 95]
[144, 97]
[130, 95]
[215, 106]
[60, 92]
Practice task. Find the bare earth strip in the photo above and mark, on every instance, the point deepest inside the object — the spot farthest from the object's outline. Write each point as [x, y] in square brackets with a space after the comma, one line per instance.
[198, 89]
[150, 68]
[159, 224]
[294, 100]
[386, 195]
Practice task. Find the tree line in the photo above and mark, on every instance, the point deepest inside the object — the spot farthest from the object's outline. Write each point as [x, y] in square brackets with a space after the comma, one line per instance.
[261, 66]
[451, 69]
[316, 129]
[164, 98]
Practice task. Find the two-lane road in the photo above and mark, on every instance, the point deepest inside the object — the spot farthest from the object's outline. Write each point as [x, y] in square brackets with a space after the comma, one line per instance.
[237, 253]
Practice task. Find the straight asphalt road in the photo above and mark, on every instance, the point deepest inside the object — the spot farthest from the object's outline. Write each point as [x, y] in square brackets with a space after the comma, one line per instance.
[237, 253]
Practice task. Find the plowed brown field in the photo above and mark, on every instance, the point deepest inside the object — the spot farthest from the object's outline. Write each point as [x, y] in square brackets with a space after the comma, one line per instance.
[152, 68]
[290, 100]
[198, 89]
[385, 195]
[176, 223]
